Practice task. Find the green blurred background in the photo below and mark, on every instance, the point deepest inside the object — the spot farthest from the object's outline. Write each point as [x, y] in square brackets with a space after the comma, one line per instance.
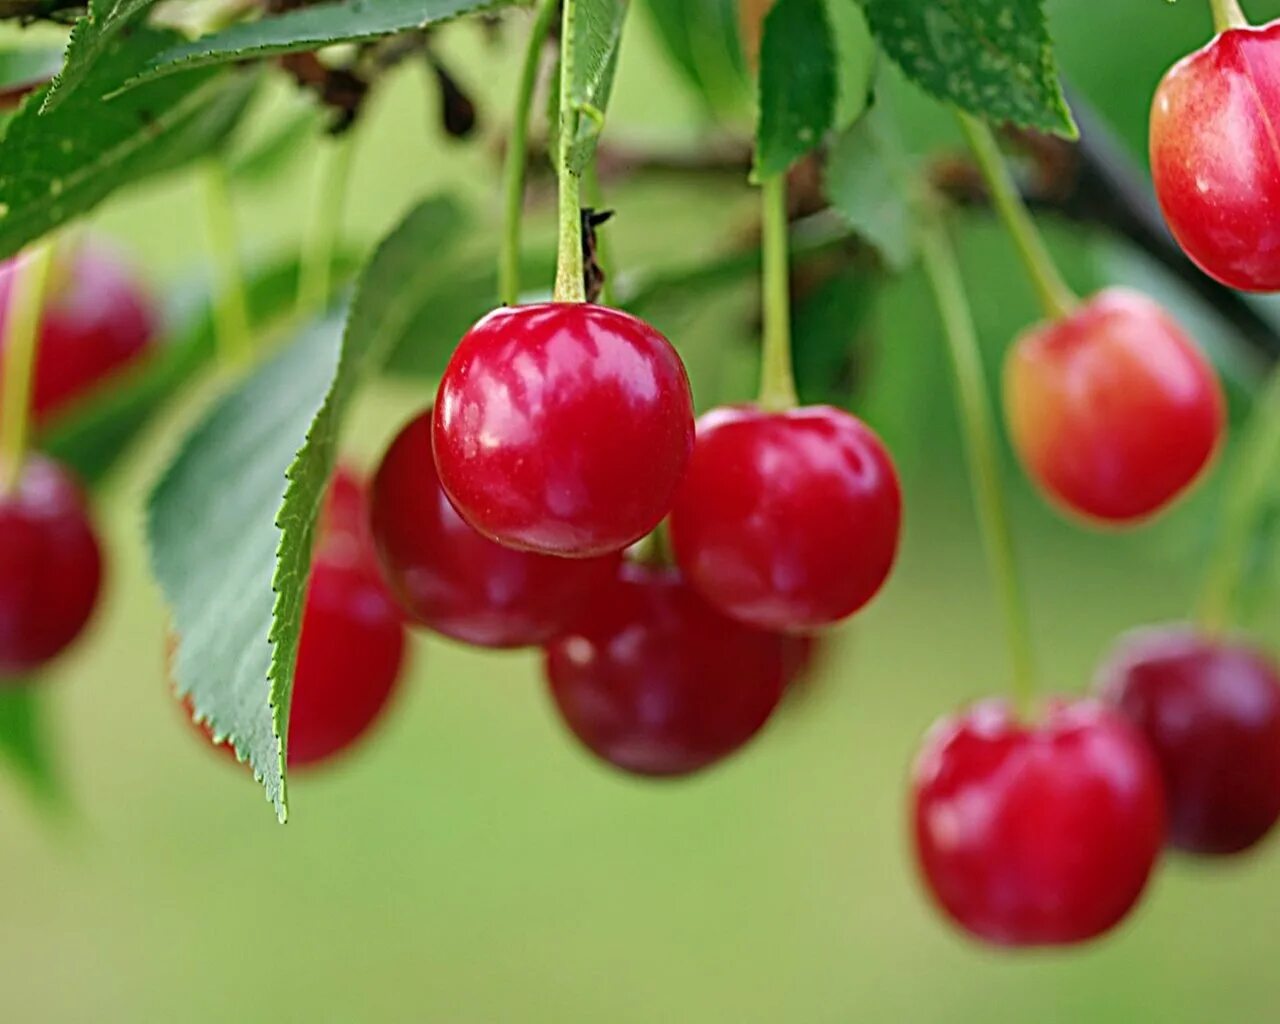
[470, 863]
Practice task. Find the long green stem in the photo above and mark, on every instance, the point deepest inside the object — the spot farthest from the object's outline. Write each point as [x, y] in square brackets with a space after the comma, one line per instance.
[777, 376]
[1056, 298]
[21, 339]
[320, 241]
[570, 283]
[1250, 480]
[943, 271]
[1227, 14]
[517, 160]
[231, 308]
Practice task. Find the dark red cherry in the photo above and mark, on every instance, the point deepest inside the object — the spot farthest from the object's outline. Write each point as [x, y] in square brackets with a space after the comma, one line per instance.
[97, 320]
[1113, 409]
[787, 521]
[1210, 708]
[563, 428]
[656, 682]
[50, 566]
[451, 579]
[1215, 157]
[1032, 835]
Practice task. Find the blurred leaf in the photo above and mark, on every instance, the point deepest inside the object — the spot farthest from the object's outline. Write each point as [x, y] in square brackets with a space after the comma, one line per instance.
[272, 153]
[862, 187]
[855, 60]
[231, 521]
[993, 58]
[23, 740]
[308, 28]
[597, 31]
[28, 66]
[100, 431]
[797, 84]
[826, 326]
[56, 166]
[94, 38]
[703, 41]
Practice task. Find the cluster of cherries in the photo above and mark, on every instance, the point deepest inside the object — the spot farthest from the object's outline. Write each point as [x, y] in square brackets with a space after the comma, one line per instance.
[1046, 833]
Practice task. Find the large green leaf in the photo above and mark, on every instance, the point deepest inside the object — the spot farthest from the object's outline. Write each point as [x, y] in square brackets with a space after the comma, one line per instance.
[309, 28]
[991, 57]
[23, 741]
[798, 85]
[56, 166]
[863, 186]
[231, 521]
[92, 39]
[703, 40]
[597, 34]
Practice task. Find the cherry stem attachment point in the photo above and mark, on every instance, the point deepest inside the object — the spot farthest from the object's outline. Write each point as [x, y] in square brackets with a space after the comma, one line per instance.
[973, 404]
[1248, 484]
[320, 240]
[1056, 298]
[777, 374]
[570, 282]
[1227, 14]
[21, 340]
[231, 305]
[517, 158]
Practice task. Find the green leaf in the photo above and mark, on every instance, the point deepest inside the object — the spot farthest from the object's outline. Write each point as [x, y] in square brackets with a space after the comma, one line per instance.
[56, 166]
[92, 39]
[597, 33]
[262, 161]
[828, 325]
[703, 41]
[993, 58]
[231, 521]
[797, 84]
[864, 187]
[309, 28]
[23, 740]
[24, 66]
[855, 60]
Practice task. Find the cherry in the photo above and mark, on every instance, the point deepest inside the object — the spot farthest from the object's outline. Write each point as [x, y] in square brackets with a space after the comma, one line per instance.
[50, 566]
[1112, 409]
[563, 428]
[97, 320]
[787, 521]
[453, 580]
[1041, 834]
[656, 682]
[1210, 708]
[1215, 160]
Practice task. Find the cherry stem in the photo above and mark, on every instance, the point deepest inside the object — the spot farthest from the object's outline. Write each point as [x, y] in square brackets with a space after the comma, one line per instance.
[943, 272]
[1248, 484]
[517, 160]
[570, 283]
[231, 308]
[1056, 298]
[1227, 14]
[320, 242]
[777, 375]
[21, 339]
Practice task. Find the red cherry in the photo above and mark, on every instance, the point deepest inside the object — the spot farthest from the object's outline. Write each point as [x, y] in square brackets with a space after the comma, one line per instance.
[656, 682]
[450, 578]
[563, 428]
[1112, 409]
[1211, 710]
[97, 320]
[787, 521]
[50, 566]
[1037, 835]
[1215, 158]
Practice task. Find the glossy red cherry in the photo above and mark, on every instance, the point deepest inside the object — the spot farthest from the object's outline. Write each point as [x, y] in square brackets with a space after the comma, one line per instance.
[1216, 160]
[50, 566]
[1211, 710]
[96, 321]
[655, 682]
[787, 521]
[1037, 834]
[563, 428]
[1112, 409]
[451, 579]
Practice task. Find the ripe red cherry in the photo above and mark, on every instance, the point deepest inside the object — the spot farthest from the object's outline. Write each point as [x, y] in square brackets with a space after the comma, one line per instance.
[50, 566]
[1112, 409]
[97, 319]
[1041, 834]
[655, 682]
[1215, 158]
[787, 521]
[1211, 711]
[563, 428]
[451, 579]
